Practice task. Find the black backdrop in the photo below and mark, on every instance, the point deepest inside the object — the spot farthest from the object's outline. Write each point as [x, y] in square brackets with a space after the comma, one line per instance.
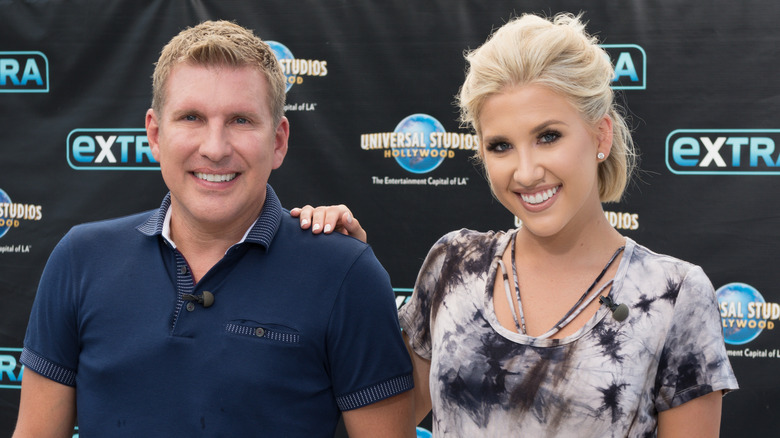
[698, 81]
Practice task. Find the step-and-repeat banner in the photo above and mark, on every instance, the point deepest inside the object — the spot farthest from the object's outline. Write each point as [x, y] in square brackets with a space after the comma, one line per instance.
[698, 80]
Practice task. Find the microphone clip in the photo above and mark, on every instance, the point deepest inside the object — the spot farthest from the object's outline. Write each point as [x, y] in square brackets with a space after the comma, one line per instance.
[619, 311]
[205, 299]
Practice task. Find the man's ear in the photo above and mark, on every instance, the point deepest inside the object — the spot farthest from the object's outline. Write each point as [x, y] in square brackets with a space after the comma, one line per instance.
[153, 133]
[281, 138]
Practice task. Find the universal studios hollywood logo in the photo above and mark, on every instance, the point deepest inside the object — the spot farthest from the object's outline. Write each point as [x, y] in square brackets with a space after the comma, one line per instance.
[12, 214]
[419, 143]
[745, 313]
[295, 69]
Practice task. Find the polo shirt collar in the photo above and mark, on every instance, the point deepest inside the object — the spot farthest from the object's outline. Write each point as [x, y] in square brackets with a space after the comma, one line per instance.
[261, 232]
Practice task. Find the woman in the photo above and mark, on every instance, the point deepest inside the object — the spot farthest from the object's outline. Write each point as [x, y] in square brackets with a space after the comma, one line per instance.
[520, 332]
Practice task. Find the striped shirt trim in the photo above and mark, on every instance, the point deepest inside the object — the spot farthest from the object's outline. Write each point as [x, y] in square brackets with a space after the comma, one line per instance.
[47, 369]
[261, 332]
[154, 224]
[267, 224]
[261, 233]
[184, 285]
[375, 393]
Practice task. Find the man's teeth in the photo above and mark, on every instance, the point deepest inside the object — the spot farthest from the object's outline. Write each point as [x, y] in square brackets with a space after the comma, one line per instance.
[539, 197]
[214, 177]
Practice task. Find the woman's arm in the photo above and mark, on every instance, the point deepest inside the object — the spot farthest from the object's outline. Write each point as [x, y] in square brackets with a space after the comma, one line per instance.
[422, 391]
[699, 417]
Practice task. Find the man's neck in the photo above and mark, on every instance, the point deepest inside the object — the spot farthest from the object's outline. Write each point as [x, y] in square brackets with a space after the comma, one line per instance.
[204, 245]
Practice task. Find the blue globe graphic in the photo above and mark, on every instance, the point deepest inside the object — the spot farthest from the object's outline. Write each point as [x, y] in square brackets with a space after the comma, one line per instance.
[739, 295]
[423, 433]
[4, 199]
[282, 52]
[415, 163]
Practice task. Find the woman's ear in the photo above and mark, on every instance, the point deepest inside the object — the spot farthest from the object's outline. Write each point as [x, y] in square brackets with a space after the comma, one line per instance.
[604, 135]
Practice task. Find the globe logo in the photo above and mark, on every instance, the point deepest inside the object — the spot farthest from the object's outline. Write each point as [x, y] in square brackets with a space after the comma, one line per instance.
[4, 199]
[423, 433]
[423, 158]
[282, 52]
[735, 299]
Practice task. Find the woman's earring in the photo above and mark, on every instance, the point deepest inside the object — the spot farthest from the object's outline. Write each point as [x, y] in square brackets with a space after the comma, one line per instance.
[600, 155]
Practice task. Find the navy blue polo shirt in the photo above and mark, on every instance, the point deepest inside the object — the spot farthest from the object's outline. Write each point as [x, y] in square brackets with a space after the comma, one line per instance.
[302, 327]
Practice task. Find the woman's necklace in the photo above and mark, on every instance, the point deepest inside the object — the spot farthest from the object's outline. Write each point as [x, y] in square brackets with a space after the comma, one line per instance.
[575, 310]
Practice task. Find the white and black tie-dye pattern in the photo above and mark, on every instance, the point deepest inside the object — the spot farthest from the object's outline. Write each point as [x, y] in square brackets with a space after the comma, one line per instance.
[609, 379]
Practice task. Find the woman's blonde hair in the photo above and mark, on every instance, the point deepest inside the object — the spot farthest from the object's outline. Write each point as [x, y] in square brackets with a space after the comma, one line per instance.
[559, 54]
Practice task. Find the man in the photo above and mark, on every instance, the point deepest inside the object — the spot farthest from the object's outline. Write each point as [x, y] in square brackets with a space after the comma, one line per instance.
[215, 315]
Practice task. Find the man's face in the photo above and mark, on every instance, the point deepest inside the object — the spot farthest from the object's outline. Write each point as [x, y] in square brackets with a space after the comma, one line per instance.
[216, 144]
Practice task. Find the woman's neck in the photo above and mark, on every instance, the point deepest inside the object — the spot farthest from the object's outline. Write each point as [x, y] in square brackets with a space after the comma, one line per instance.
[592, 238]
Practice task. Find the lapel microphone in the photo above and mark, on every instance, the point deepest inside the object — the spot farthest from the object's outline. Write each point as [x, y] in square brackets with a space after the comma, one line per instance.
[619, 311]
[206, 299]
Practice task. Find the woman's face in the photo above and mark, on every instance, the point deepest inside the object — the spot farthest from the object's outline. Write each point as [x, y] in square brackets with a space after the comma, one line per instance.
[541, 158]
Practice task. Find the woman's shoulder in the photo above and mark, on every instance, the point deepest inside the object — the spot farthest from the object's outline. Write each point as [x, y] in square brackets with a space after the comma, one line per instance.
[647, 263]
[467, 237]
[469, 249]
[649, 256]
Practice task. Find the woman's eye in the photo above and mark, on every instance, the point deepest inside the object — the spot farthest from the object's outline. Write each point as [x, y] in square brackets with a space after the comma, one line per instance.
[498, 147]
[549, 137]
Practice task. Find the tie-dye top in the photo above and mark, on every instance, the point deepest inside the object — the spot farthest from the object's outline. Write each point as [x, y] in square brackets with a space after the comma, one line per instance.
[609, 379]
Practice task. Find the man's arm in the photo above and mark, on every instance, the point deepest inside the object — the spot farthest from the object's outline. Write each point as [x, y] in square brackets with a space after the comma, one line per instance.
[47, 409]
[391, 417]
[699, 417]
[371, 372]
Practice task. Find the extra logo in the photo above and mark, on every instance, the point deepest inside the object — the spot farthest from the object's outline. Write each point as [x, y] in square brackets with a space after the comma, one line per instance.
[10, 368]
[110, 149]
[723, 152]
[295, 69]
[12, 215]
[24, 72]
[630, 62]
[745, 313]
[419, 143]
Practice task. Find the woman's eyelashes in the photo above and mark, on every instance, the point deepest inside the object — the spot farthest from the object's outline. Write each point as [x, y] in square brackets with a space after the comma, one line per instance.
[549, 137]
[498, 146]
[546, 137]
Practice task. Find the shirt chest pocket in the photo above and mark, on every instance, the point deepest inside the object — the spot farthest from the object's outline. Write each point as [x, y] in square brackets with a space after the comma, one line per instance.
[264, 332]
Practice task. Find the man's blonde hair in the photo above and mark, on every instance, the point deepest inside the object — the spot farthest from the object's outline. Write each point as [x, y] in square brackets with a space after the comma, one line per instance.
[220, 43]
